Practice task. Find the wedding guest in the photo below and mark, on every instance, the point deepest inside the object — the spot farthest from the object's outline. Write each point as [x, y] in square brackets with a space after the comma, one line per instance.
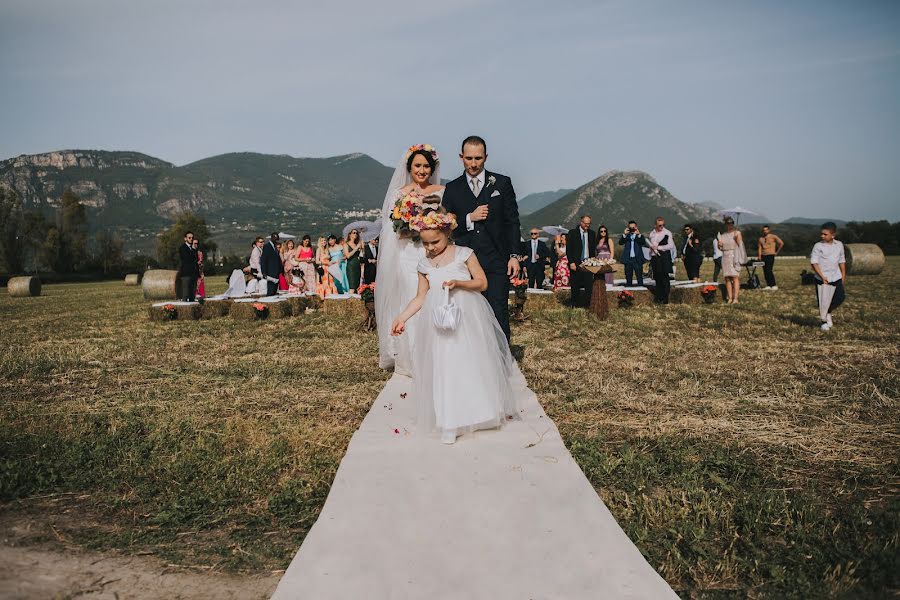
[337, 264]
[605, 249]
[188, 268]
[353, 254]
[288, 258]
[561, 270]
[305, 260]
[717, 260]
[768, 247]
[731, 243]
[282, 280]
[632, 258]
[270, 265]
[536, 255]
[581, 242]
[827, 260]
[661, 245]
[201, 284]
[691, 253]
[321, 257]
[370, 261]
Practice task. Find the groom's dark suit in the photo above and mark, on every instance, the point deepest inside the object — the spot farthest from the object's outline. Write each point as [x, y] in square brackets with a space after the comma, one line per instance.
[495, 239]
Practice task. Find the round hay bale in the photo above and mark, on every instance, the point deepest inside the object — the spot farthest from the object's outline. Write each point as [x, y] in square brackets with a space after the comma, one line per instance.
[132, 279]
[864, 259]
[161, 284]
[24, 287]
[213, 309]
[183, 311]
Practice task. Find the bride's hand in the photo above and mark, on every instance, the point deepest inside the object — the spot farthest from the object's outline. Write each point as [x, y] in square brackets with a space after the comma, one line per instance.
[398, 327]
[450, 284]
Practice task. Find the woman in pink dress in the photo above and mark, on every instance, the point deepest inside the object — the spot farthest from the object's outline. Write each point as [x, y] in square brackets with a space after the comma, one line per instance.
[561, 272]
[305, 259]
[605, 249]
[201, 288]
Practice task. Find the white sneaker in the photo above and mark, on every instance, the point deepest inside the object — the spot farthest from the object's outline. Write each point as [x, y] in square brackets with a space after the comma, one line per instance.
[826, 326]
[774, 288]
[766, 288]
[448, 437]
[828, 320]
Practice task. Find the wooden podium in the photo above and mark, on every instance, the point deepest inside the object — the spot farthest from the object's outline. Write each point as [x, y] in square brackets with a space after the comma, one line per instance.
[599, 302]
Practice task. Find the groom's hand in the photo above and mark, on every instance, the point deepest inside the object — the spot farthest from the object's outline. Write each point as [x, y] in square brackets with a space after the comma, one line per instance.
[512, 267]
[480, 213]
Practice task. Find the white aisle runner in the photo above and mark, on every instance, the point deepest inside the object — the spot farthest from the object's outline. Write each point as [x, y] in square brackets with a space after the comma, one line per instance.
[500, 515]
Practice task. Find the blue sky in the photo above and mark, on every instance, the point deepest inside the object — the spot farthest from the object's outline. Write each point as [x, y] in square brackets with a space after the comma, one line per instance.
[792, 109]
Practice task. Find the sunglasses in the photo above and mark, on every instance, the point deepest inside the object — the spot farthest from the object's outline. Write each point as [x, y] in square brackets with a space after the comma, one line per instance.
[534, 233]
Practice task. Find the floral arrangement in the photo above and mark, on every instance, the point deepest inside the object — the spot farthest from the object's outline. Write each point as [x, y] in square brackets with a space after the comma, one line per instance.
[262, 311]
[625, 298]
[367, 292]
[433, 220]
[405, 209]
[598, 262]
[519, 285]
[426, 148]
[170, 312]
[709, 293]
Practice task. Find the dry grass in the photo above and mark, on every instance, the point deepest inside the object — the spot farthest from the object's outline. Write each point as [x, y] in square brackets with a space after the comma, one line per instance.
[746, 452]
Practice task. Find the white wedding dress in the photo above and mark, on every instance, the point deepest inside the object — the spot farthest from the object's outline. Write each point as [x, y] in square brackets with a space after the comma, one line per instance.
[465, 379]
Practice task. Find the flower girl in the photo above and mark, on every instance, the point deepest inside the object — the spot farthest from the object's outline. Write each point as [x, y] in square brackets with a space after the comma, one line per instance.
[463, 373]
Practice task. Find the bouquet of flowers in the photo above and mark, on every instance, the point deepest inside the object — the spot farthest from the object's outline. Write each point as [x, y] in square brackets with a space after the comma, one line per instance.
[598, 262]
[366, 292]
[625, 298]
[262, 311]
[170, 312]
[406, 208]
[709, 293]
[520, 287]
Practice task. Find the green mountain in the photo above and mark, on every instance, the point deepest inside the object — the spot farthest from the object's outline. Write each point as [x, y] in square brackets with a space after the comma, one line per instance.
[817, 222]
[539, 200]
[239, 195]
[615, 198]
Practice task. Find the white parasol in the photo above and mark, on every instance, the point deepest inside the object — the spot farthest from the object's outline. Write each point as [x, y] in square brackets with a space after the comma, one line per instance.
[555, 230]
[736, 213]
[286, 236]
[372, 232]
[362, 227]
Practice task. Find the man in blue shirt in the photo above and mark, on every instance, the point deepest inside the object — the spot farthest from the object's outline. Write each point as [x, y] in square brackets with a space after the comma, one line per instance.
[632, 257]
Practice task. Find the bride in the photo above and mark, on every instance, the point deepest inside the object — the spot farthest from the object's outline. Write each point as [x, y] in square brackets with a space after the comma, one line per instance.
[399, 254]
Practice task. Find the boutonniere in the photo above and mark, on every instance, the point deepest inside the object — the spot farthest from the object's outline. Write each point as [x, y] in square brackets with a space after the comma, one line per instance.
[492, 180]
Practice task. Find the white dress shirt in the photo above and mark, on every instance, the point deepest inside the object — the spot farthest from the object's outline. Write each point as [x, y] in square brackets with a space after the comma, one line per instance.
[657, 236]
[829, 258]
[534, 251]
[470, 180]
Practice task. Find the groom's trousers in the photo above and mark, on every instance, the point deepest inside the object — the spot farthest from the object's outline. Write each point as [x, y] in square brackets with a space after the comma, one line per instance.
[497, 296]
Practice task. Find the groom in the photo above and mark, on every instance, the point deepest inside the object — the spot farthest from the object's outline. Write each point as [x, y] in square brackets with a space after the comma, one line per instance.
[485, 207]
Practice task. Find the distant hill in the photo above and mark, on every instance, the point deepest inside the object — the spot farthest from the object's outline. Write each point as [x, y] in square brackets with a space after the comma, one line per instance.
[808, 221]
[616, 197]
[539, 200]
[239, 194]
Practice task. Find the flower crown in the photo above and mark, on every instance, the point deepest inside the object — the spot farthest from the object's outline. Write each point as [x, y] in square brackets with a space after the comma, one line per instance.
[433, 220]
[426, 148]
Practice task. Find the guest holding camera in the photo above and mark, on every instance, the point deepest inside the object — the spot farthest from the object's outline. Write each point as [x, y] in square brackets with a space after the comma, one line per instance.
[632, 258]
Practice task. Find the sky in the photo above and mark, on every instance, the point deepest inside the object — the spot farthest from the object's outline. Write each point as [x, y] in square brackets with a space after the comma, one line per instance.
[787, 108]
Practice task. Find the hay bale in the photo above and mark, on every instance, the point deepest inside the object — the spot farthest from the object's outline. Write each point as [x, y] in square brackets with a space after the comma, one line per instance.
[686, 294]
[314, 303]
[24, 287]
[563, 296]
[864, 259]
[161, 284]
[344, 307]
[642, 297]
[184, 311]
[214, 309]
[132, 279]
[245, 311]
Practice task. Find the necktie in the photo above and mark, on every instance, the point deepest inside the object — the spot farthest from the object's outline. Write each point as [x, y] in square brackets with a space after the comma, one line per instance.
[584, 245]
[475, 186]
[533, 251]
[632, 245]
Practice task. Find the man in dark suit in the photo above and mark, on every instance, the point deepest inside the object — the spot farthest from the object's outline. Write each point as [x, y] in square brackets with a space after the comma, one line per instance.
[632, 257]
[370, 261]
[188, 267]
[488, 222]
[691, 253]
[536, 255]
[270, 265]
[581, 244]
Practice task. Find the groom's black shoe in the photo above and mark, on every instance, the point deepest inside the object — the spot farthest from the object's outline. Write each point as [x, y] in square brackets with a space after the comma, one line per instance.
[517, 351]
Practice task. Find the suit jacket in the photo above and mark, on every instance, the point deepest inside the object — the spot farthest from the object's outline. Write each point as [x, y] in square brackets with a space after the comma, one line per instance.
[370, 270]
[270, 263]
[639, 243]
[573, 245]
[543, 253]
[496, 238]
[188, 263]
[692, 251]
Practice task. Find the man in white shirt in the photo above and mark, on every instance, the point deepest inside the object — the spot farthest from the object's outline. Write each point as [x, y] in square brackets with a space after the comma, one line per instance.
[661, 245]
[827, 260]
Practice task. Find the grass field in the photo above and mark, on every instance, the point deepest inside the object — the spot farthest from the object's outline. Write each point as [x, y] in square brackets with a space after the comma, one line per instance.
[745, 452]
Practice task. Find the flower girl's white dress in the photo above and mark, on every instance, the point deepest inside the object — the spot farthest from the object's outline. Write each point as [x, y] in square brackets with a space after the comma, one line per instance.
[465, 379]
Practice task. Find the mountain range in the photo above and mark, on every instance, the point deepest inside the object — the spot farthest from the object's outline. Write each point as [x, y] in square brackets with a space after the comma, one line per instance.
[539, 200]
